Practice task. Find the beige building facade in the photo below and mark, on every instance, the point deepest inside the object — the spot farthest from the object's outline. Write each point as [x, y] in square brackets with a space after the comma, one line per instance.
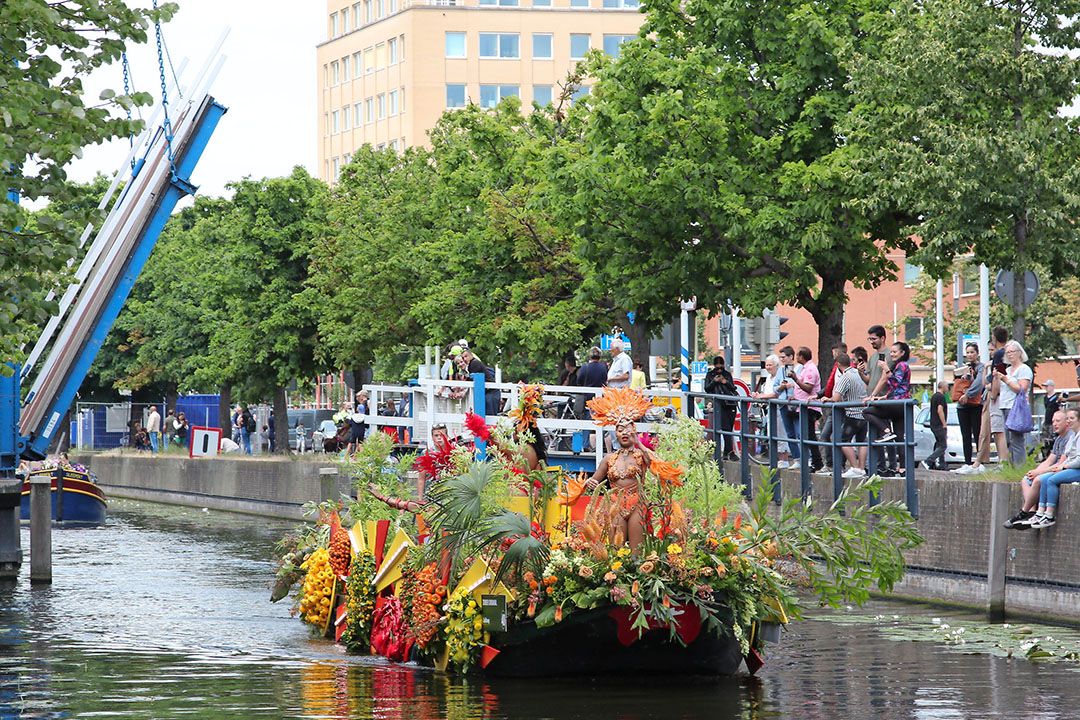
[390, 68]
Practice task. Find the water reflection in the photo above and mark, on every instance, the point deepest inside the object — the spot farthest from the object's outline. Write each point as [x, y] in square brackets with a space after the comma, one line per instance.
[163, 613]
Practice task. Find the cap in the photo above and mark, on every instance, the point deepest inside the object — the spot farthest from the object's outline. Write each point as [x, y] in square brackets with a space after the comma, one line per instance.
[455, 351]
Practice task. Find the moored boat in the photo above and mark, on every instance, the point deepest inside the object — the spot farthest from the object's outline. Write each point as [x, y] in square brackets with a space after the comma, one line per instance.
[76, 496]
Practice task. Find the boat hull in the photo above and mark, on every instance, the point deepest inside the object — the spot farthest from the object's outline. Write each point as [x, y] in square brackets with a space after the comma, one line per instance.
[83, 500]
[587, 643]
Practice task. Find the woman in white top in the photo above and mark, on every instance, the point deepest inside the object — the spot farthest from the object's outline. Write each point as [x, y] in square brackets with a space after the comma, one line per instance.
[772, 388]
[1014, 381]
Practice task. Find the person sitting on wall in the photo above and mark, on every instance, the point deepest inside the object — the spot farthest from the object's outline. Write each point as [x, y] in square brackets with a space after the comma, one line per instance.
[1066, 470]
[1030, 483]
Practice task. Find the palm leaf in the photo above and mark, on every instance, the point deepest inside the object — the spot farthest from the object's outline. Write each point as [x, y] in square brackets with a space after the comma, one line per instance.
[525, 553]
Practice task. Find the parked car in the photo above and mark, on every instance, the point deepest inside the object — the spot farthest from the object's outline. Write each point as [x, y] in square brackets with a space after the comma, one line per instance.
[954, 451]
[311, 420]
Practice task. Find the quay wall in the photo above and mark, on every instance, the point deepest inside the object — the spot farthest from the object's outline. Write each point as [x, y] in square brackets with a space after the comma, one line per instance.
[1041, 569]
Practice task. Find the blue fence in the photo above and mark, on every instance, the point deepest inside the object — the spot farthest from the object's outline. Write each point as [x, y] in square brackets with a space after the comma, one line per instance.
[759, 442]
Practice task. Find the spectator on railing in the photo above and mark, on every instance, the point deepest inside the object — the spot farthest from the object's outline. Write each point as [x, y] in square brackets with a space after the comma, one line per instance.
[897, 387]
[718, 381]
[594, 372]
[1015, 382]
[621, 368]
[775, 384]
[808, 387]
[850, 388]
[569, 374]
[786, 391]
[968, 392]
[1066, 470]
[1032, 480]
[827, 392]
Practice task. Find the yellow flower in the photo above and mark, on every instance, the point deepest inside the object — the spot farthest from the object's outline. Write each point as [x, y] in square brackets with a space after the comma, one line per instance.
[623, 552]
[616, 566]
[674, 549]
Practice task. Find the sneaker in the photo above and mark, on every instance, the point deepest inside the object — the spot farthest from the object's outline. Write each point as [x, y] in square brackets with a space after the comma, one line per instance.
[853, 474]
[978, 470]
[1041, 521]
[924, 466]
[889, 473]
[963, 470]
[887, 437]
[1021, 520]
[783, 465]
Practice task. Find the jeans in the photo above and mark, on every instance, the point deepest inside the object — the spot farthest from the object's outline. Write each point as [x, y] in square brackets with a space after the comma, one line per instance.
[155, 438]
[969, 417]
[727, 423]
[790, 419]
[881, 416]
[245, 439]
[1049, 484]
[937, 458]
[1015, 441]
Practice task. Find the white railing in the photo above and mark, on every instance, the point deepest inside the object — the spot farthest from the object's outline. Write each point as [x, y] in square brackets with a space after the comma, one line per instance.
[445, 402]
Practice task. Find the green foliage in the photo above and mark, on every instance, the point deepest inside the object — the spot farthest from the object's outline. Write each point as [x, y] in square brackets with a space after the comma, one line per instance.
[47, 49]
[704, 492]
[372, 464]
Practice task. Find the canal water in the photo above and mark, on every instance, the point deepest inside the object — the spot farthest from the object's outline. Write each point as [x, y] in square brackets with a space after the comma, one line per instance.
[164, 613]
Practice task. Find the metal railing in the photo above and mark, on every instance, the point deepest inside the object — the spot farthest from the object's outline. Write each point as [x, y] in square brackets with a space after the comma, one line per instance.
[768, 434]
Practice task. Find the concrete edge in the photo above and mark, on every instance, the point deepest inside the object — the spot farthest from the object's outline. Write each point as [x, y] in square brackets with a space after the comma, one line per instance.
[287, 511]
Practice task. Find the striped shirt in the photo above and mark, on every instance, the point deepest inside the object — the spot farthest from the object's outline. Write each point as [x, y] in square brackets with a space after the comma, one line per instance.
[850, 387]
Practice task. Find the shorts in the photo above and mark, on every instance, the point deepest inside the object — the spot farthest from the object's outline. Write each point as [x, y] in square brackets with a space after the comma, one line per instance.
[853, 428]
[997, 423]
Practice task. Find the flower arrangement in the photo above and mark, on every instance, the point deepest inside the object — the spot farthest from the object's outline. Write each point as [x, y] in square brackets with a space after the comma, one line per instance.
[360, 603]
[464, 630]
[318, 588]
[427, 593]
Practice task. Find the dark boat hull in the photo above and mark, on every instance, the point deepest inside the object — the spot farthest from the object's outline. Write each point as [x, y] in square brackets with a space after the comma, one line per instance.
[587, 643]
[83, 500]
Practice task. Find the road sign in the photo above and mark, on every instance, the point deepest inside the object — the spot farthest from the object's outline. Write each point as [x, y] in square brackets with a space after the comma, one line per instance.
[605, 342]
[1004, 286]
[205, 441]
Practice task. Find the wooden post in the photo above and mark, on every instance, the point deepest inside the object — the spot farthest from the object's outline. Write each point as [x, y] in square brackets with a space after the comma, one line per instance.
[998, 553]
[10, 540]
[40, 529]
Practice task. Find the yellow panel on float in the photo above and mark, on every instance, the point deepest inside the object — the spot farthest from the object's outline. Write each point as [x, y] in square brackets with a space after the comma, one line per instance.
[356, 537]
[390, 570]
[478, 580]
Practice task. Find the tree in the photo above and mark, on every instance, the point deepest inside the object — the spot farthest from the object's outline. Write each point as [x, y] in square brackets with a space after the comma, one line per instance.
[960, 129]
[712, 163]
[47, 48]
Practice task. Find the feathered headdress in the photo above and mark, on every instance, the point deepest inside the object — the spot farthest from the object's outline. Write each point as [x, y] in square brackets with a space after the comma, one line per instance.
[617, 406]
[530, 406]
[477, 426]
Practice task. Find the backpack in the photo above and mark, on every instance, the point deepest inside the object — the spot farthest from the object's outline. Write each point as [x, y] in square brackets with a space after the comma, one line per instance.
[489, 373]
[249, 424]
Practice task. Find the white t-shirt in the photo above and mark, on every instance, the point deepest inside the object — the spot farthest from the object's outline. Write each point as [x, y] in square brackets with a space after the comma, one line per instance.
[1007, 396]
[621, 364]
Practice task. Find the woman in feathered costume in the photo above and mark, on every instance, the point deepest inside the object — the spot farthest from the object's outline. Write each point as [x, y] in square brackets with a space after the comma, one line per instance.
[625, 469]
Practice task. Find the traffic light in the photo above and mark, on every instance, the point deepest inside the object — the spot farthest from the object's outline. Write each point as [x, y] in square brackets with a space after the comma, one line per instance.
[752, 331]
[773, 335]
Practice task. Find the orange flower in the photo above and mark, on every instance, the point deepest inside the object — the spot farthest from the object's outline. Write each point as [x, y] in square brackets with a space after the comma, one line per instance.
[738, 521]
[532, 608]
[723, 516]
[635, 588]
[558, 613]
[647, 567]
[610, 576]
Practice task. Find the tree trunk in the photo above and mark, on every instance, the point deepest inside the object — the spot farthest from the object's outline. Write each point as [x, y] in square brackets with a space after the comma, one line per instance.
[225, 410]
[362, 375]
[828, 311]
[640, 335]
[170, 397]
[281, 422]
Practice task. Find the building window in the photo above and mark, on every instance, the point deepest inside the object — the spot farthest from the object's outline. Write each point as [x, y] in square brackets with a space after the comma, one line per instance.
[346, 159]
[380, 56]
[380, 146]
[401, 101]
[455, 95]
[393, 145]
[326, 118]
[392, 99]
[369, 110]
[579, 3]
[499, 45]
[916, 333]
[358, 115]
[579, 45]
[969, 279]
[401, 47]
[612, 43]
[391, 48]
[541, 3]
[345, 21]
[368, 11]
[541, 46]
[455, 44]
[393, 6]
[336, 165]
[333, 25]
[503, 3]
[345, 69]
[490, 95]
[346, 116]
[542, 95]
[380, 8]
[581, 92]
[911, 273]
[369, 60]
[357, 15]
[335, 122]
[357, 64]
[621, 4]
[326, 169]
[335, 72]
[380, 103]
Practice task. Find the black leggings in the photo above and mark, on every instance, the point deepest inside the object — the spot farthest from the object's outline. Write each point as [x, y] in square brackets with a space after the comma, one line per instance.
[970, 417]
[880, 416]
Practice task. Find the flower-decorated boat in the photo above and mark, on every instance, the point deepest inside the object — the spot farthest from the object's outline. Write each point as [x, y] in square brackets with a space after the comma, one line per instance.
[76, 496]
[509, 567]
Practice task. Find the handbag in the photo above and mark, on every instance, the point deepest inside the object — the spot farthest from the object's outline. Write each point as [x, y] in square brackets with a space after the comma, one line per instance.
[960, 386]
[1019, 419]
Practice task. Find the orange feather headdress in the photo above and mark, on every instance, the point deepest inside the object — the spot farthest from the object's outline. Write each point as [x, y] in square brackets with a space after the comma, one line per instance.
[617, 406]
[530, 406]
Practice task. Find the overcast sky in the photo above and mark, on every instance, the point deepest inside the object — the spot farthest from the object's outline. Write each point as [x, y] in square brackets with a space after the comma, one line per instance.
[267, 83]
